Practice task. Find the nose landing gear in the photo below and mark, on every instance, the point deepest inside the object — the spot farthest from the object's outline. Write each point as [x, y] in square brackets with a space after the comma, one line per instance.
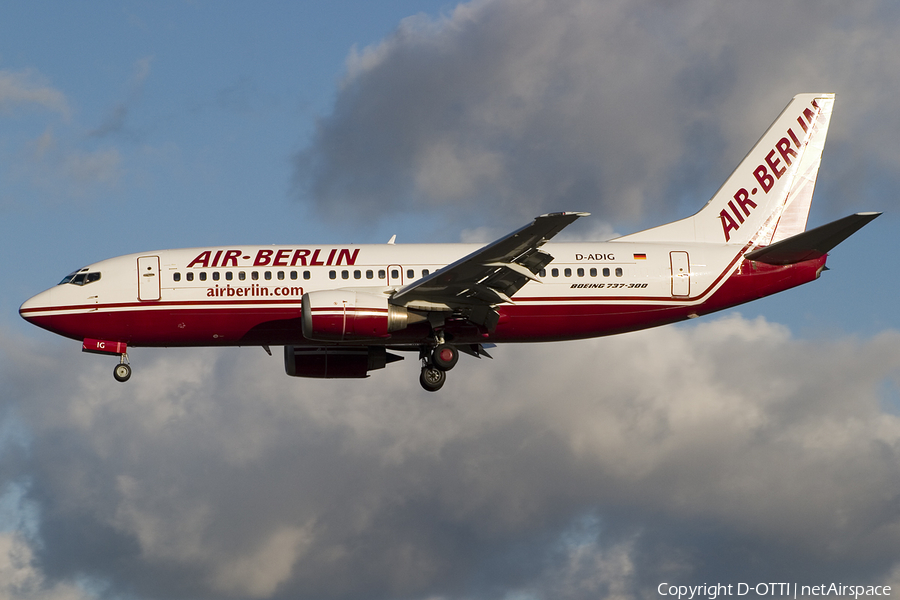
[122, 372]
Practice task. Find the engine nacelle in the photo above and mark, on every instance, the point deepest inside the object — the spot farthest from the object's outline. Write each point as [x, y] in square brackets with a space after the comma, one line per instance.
[335, 362]
[341, 315]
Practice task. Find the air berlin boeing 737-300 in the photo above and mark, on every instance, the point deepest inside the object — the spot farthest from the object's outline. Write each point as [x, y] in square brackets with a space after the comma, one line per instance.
[342, 311]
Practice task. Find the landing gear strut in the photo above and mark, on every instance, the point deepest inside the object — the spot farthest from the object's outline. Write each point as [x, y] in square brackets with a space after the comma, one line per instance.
[435, 364]
[122, 372]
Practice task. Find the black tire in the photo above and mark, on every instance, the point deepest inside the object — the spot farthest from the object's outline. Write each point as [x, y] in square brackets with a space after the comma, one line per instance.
[122, 372]
[432, 379]
[444, 357]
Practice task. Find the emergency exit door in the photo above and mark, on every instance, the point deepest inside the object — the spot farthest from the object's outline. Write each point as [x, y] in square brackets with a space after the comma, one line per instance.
[681, 273]
[148, 278]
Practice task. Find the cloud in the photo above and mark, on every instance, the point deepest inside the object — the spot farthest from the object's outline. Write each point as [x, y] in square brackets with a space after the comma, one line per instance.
[625, 109]
[28, 88]
[574, 470]
[114, 123]
[20, 579]
[63, 169]
[58, 161]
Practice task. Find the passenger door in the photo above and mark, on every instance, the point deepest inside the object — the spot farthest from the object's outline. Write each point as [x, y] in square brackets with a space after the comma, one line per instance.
[681, 273]
[148, 278]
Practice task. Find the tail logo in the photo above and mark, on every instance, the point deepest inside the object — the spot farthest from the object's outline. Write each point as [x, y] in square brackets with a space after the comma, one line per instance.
[768, 172]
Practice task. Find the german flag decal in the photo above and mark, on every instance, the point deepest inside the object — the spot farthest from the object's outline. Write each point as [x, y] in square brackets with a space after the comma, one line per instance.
[640, 256]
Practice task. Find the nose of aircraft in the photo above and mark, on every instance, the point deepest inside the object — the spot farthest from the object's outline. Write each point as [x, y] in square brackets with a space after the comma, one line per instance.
[36, 309]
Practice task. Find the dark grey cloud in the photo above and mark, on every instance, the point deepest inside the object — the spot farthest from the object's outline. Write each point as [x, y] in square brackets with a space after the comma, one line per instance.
[627, 109]
[588, 469]
[115, 121]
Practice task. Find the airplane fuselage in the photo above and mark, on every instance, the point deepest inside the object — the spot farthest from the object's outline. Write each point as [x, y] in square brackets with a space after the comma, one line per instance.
[251, 295]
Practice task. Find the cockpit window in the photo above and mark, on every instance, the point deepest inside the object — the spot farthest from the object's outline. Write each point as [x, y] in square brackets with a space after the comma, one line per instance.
[68, 278]
[81, 277]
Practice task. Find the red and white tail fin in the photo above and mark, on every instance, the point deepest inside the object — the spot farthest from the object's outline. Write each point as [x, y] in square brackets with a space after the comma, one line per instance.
[767, 198]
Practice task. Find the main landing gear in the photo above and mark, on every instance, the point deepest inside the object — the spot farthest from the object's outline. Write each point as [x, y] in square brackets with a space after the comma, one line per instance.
[436, 362]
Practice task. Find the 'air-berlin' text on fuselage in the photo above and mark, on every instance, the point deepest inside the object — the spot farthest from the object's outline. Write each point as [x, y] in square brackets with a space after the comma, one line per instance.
[283, 257]
[767, 173]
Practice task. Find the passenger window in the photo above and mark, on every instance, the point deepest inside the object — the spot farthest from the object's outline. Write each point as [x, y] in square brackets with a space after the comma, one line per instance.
[293, 274]
[357, 274]
[202, 275]
[580, 272]
[254, 275]
[268, 275]
[568, 272]
[176, 276]
[370, 274]
[305, 274]
[543, 273]
[395, 273]
[229, 275]
[280, 275]
[381, 274]
[554, 272]
[606, 271]
[618, 271]
[215, 275]
[189, 276]
[242, 275]
[345, 274]
[410, 274]
[425, 272]
[593, 272]
[332, 274]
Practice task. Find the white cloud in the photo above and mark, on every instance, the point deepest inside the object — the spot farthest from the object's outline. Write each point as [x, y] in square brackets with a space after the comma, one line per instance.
[20, 579]
[61, 169]
[563, 467]
[29, 88]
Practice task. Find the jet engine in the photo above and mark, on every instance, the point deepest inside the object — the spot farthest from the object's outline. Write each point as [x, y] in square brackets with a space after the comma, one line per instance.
[335, 361]
[342, 315]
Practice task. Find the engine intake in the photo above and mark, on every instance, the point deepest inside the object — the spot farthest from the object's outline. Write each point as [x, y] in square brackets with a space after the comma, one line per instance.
[335, 362]
[341, 315]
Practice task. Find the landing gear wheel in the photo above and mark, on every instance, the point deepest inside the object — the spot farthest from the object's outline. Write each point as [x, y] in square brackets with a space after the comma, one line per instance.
[444, 357]
[432, 379]
[122, 372]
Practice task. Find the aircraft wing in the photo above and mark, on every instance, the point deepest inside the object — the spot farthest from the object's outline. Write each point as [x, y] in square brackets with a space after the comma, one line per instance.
[490, 275]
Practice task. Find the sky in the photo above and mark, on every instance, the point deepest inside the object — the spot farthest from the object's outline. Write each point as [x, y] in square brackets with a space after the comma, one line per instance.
[761, 444]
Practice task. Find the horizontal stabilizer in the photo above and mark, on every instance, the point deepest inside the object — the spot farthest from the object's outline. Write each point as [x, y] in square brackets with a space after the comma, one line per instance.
[811, 244]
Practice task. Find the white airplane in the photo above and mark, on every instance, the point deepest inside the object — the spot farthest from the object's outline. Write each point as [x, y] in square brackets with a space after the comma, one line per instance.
[339, 310]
